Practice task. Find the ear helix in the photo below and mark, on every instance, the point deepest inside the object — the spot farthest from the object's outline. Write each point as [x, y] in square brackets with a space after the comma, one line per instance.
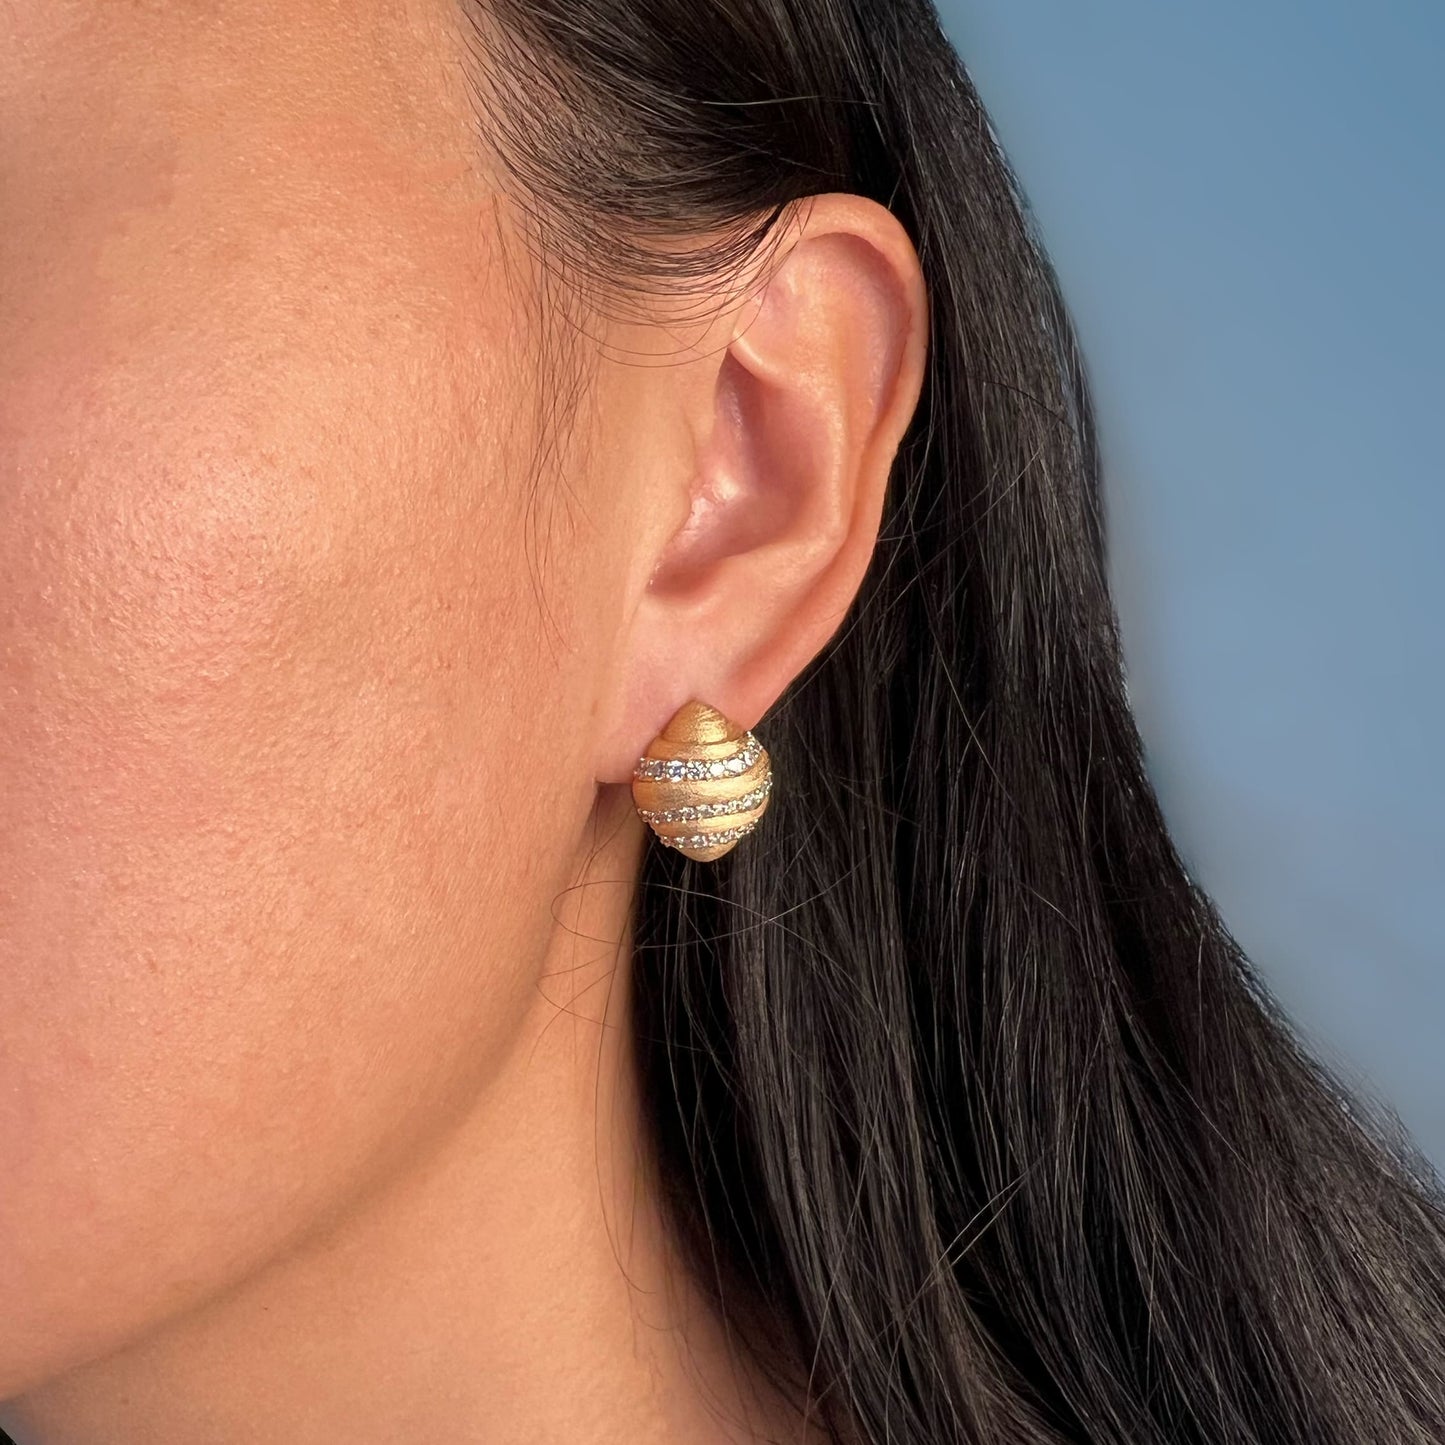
[703, 783]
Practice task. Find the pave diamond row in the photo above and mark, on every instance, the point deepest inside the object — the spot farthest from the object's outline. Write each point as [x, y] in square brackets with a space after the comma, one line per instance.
[711, 810]
[710, 840]
[676, 770]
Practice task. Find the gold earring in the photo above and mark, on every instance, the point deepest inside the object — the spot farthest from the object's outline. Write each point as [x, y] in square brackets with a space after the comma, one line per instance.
[703, 783]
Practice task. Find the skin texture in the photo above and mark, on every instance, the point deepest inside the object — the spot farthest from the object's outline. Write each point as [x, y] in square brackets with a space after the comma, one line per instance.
[324, 657]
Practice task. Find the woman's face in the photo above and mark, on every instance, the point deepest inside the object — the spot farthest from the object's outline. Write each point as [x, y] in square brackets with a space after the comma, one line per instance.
[293, 672]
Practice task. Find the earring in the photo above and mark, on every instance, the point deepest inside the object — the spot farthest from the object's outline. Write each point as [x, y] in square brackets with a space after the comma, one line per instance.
[703, 783]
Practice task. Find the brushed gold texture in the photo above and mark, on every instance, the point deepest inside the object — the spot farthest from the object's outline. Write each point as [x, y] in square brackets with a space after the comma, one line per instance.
[703, 784]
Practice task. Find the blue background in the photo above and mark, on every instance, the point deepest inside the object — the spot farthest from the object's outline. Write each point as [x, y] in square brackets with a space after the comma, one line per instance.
[1244, 200]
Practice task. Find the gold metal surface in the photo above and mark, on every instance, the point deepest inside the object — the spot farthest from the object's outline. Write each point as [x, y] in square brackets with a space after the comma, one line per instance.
[703, 817]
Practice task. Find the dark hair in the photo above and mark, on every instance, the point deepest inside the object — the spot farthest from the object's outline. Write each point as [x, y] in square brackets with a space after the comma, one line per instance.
[965, 1098]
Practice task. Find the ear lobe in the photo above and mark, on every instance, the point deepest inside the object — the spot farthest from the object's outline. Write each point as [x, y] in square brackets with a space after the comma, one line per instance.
[807, 406]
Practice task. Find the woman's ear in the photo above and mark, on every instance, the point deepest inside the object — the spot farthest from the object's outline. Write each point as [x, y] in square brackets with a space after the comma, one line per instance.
[800, 416]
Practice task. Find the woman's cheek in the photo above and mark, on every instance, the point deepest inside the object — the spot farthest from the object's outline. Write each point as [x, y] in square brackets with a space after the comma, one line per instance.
[259, 637]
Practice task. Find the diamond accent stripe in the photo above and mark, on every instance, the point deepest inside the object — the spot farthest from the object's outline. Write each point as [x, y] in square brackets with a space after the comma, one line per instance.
[709, 810]
[696, 770]
[709, 840]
